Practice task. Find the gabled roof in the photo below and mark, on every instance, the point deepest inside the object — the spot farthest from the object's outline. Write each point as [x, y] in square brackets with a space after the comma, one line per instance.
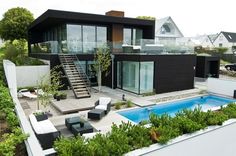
[212, 37]
[160, 22]
[230, 36]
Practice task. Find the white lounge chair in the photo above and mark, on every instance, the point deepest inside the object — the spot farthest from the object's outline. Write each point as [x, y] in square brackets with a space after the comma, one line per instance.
[26, 93]
[104, 103]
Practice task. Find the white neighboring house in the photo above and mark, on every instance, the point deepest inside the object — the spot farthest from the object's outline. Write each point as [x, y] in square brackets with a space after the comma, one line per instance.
[226, 39]
[166, 31]
[205, 41]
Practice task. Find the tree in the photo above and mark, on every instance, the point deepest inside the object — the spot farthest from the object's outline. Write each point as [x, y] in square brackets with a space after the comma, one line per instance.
[102, 60]
[15, 23]
[49, 89]
[146, 17]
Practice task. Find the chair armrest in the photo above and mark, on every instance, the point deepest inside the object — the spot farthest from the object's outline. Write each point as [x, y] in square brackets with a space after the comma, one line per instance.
[97, 103]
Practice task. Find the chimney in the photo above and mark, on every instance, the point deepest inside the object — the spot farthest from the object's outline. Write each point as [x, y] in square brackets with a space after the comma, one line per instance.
[115, 13]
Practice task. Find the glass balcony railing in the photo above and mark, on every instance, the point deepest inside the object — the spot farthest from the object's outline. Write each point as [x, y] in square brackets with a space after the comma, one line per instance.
[143, 46]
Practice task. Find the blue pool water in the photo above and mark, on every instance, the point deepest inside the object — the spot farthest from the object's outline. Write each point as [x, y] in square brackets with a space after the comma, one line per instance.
[206, 102]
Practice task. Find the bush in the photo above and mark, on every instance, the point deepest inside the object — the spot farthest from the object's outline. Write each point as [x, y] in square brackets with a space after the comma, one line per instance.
[9, 141]
[70, 146]
[230, 110]
[118, 105]
[216, 118]
[129, 104]
[186, 125]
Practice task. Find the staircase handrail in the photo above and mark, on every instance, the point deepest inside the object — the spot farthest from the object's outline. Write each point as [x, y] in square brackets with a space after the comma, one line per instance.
[86, 80]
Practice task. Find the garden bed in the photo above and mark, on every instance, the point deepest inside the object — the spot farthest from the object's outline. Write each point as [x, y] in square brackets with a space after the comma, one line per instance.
[128, 137]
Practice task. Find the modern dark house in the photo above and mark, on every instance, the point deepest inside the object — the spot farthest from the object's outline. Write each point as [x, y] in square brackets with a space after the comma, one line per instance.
[138, 64]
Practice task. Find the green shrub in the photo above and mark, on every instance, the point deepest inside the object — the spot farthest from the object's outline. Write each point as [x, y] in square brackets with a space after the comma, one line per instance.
[216, 118]
[196, 115]
[129, 104]
[70, 146]
[118, 105]
[230, 110]
[186, 125]
[166, 133]
[9, 141]
[157, 120]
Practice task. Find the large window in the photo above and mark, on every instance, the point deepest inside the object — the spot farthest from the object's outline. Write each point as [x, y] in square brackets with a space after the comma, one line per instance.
[74, 39]
[89, 38]
[101, 36]
[135, 77]
[132, 36]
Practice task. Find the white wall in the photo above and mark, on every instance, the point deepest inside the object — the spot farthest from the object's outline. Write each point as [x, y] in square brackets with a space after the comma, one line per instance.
[9, 69]
[32, 145]
[30, 75]
[221, 86]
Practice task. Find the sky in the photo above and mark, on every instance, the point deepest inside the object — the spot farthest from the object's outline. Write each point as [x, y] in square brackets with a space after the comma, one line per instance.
[193, 17]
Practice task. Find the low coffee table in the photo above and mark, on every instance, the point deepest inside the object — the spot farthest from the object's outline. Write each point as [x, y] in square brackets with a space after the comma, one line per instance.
[72, 121]
[77, 129]
[96, 114]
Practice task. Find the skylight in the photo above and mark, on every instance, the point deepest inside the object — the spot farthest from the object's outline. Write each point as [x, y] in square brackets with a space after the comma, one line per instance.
[230, 37]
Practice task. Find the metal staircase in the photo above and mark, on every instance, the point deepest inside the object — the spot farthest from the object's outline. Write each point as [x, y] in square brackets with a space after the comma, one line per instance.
[77, 77]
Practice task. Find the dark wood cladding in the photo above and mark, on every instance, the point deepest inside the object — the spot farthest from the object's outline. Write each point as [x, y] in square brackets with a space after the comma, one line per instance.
[207, 65]
[171, 72]
[174, 73]
[117, 33]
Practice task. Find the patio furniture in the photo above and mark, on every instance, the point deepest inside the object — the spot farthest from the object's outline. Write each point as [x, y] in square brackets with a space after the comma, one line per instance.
[103, 103]
[45, 131]
[26, 93]
[78, 129]
[96, 114]
[72, 121]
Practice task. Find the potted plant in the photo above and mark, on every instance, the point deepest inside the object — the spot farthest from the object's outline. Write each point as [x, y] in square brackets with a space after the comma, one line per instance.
[40, 116]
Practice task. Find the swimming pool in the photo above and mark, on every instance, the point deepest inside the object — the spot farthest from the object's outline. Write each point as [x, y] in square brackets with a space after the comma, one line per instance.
[206, 102]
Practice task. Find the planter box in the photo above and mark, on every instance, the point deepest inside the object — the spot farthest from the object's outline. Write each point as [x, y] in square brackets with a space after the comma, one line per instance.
[41, 117]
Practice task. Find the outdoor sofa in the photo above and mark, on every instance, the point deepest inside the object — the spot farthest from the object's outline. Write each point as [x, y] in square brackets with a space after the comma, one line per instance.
[44, 131]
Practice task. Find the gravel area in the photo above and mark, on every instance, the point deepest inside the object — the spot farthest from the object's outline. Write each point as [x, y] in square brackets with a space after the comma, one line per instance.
[169, 98]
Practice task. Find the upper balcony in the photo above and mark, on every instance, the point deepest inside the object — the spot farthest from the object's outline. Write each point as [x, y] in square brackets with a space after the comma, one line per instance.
[138, 47]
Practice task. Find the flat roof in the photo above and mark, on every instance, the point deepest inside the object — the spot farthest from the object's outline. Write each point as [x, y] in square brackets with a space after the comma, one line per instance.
[55, 17]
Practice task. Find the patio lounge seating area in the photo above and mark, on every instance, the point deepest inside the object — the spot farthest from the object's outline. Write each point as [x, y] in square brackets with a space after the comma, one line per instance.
[45, 131]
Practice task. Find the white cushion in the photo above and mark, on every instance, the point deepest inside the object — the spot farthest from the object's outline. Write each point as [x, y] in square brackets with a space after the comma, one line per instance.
[102, 107]
[104, 100]
[42, 127]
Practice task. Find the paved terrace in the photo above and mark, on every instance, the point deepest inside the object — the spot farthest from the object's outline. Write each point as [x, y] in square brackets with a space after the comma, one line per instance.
[80, 107]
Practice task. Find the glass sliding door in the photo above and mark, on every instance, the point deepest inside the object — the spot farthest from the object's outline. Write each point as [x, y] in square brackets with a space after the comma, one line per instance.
[130, 79]
[136, 77]
[146, 77]
[118, 76]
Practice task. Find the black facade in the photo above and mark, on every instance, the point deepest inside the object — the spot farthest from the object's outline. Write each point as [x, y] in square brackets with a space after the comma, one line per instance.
[171, 72]
[207, 66]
